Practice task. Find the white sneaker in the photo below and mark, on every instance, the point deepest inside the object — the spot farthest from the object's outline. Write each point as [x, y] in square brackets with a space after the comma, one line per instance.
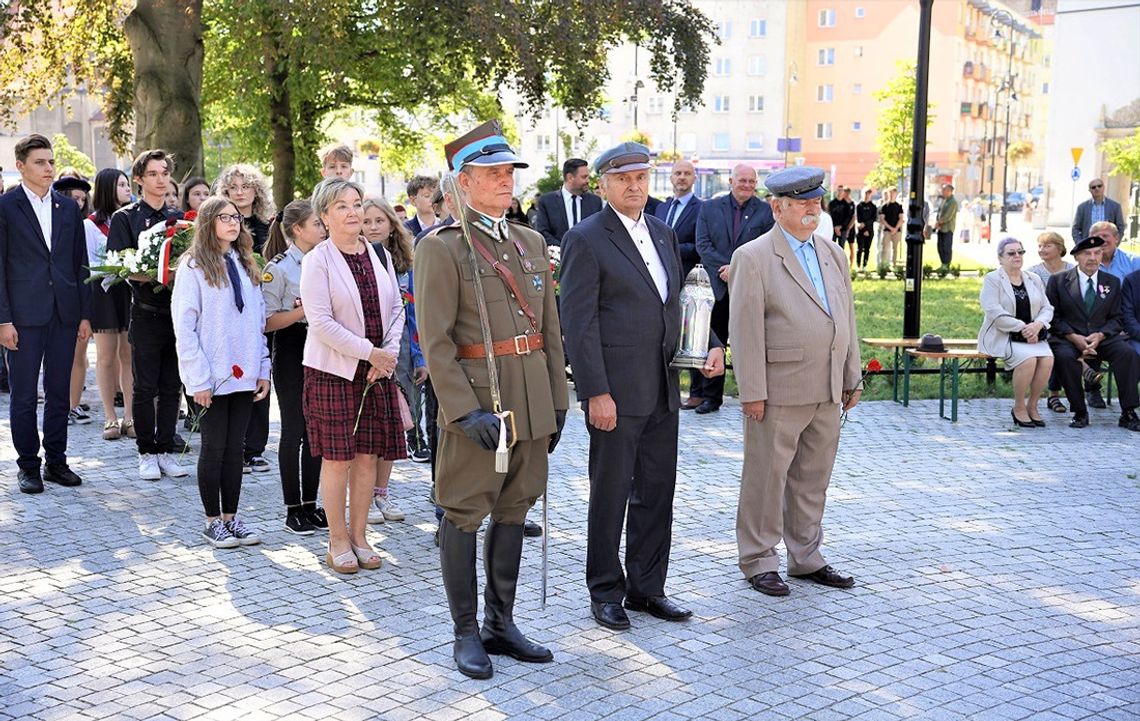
[375, 515]
[387, 508]
[168, 465]
[148, 467]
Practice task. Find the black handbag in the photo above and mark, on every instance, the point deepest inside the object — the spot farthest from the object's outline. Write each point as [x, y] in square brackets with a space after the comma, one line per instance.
[1017, 336]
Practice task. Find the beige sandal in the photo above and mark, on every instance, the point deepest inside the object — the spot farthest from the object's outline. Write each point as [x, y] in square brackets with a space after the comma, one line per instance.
[367, 559]
[344, 563]
[112, 431]
[128, 428]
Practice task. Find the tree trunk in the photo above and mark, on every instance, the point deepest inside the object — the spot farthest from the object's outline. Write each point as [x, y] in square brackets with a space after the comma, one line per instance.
[280, 122]
[166, 42]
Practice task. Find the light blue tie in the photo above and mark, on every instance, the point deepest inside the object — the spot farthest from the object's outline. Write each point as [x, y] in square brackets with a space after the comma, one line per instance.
[810, 263]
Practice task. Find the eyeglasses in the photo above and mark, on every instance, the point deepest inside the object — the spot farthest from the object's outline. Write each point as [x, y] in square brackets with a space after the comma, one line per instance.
[227, 218]
[1098, 186]
[1015, 252]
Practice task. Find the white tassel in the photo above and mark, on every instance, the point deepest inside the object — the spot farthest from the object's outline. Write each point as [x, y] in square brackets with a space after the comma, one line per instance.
[502, 453]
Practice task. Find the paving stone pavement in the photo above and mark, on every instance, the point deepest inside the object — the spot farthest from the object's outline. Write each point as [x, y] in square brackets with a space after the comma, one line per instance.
[998, 578]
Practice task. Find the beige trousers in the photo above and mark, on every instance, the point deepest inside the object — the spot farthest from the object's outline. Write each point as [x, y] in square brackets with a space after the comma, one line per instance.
[788, 459]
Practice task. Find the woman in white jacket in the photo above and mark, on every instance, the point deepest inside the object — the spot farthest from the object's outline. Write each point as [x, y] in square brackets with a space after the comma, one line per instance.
[1016, 328]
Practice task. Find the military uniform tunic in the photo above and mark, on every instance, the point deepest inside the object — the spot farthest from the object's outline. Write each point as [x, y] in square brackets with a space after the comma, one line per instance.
[531, 385]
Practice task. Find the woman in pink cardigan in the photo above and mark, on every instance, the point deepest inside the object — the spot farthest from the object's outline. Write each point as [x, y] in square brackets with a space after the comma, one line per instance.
[352, 413]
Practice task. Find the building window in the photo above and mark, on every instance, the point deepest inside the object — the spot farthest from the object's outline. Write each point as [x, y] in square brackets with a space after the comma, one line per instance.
[656, 104]
[826, 56]
[543, 143]
[825, 93]
[856, 126]
[755, 142]
[858, 51]
[860, 12]
[724, 29]
[720, 104]
[823, 131]
[827, 18]
[755, 103]
[758, 29]
[857, 88]
[722, 67]
[687, 142]
[721, 141]
[757, 65]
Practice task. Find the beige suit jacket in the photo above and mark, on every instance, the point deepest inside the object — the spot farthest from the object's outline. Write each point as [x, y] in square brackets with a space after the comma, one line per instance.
[786, 349]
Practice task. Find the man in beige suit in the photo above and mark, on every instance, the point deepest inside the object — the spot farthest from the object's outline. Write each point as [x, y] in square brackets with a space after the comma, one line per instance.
[796, 357]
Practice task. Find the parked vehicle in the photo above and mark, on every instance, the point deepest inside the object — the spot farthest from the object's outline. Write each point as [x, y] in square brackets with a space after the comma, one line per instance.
[1015, 200]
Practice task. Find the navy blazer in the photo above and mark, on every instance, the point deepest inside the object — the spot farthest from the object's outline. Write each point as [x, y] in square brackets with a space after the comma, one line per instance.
[1130, 305]
[685, 228]
[30, 275]
[1067, 298]
[714, 228]
[1082, 220]
[551, 217]
[619, 335]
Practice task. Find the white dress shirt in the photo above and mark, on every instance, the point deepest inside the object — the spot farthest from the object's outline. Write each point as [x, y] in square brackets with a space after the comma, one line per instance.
[1084, 282]
[567, 202]
[42, 208]
[639, 231]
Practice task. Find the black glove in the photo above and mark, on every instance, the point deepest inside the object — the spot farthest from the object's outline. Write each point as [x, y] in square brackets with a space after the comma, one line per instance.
[560, 419]
[482, 427]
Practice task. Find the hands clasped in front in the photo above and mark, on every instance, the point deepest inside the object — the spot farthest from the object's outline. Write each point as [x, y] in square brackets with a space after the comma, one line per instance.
[1086, 344]
[383, 364]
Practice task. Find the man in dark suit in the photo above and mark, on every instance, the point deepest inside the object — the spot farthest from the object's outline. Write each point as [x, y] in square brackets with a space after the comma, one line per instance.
[621, 278]
[680, 213]
[723, 225]
[562, 209]
[1095, 209]
[1087, 322]
[45, 304]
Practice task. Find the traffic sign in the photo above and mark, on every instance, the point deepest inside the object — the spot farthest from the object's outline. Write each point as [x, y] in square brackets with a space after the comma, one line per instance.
[1076, 174]
[1076, 155]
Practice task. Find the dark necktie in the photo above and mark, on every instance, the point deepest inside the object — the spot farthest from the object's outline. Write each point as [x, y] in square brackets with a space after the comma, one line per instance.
[736, 220]
[672, 211]
[235, 281]
[574, 202]
[1090, 296]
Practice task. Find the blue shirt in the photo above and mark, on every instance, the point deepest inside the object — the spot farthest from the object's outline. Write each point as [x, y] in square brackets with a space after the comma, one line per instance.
[1096, 213]
[809, 261]
[1122, 264]
[677, 208]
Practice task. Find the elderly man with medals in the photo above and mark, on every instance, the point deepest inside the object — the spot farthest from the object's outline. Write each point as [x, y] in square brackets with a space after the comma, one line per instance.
[490, 335]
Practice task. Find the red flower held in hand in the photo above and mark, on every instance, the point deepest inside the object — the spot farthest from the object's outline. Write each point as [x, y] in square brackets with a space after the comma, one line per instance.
[874, 366]
[237, 372]
[190, 215]
[170, 231]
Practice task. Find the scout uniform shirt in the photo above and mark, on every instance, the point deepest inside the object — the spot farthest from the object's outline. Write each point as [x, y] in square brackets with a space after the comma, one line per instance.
[532, 385]
[281, 281]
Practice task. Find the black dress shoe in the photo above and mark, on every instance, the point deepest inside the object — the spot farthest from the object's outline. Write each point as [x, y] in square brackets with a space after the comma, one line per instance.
[610, 615]
[828, 576]
[61, 474]
[1095, 399]
[707, 406]
[1129, 420]
[30, 481]
[658, 607]
[1024, 424]
[1081, 420]
[531, 529]
[769, 584]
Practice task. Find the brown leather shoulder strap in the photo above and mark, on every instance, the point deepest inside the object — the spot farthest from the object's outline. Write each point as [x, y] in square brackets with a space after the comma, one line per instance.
[508, 277]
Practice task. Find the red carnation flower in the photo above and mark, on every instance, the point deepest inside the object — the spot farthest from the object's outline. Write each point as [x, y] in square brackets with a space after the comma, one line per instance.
[237, 372]
[190, 215]
[171, 222]
[874, 366]
[170, 231]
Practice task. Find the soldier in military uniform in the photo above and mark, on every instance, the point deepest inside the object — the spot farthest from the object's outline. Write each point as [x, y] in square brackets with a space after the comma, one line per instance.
[523, 325]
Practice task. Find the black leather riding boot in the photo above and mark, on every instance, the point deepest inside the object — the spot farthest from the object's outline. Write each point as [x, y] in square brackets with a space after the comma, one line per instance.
[457, 565]
[502, 551]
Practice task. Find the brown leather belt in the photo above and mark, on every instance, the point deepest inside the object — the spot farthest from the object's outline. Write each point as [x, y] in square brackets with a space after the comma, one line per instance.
[519, 345]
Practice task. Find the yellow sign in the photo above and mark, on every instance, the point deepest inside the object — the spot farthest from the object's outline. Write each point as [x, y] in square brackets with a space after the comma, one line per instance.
[1076, 155]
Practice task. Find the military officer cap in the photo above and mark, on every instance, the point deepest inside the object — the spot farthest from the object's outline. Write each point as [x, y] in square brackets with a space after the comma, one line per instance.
[801, 182]
[485, 145]
[1089, 243]
[622, 159]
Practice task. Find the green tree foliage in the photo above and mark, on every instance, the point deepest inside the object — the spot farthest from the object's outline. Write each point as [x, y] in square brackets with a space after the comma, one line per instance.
[1124, 154]
[69, 156]
[895, 137]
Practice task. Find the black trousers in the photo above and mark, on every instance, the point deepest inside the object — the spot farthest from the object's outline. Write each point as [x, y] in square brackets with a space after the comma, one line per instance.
[712, 389]
[863, 250]
[155, 367]
[1121, 358]
[219, 460]
[300, 471]
[945, 246]
[634, 465]
[257, 434]
[47, 346]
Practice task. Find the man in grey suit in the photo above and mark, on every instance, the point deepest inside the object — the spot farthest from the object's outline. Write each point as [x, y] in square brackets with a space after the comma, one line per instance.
[796, 356]
[1097, 208]
[621, 314]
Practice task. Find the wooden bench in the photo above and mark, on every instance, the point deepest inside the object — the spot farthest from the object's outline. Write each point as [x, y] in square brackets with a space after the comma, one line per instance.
[956, 357]
[898, 345]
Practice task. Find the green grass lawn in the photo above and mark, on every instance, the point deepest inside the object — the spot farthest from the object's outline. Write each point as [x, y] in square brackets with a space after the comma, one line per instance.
[950, 308]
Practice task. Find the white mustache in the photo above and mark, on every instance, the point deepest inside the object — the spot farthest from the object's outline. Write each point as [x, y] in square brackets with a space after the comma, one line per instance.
[810, 219]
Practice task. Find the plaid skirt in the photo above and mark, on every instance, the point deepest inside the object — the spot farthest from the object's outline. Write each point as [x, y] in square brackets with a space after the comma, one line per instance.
[332, 405]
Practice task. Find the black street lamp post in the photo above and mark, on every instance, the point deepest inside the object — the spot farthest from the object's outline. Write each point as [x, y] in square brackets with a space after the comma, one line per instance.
[912, 291]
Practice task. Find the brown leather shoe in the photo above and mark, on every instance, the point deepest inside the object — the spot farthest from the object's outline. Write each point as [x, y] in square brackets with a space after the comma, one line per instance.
[692, 403]
[828, 576]
[770, 584]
